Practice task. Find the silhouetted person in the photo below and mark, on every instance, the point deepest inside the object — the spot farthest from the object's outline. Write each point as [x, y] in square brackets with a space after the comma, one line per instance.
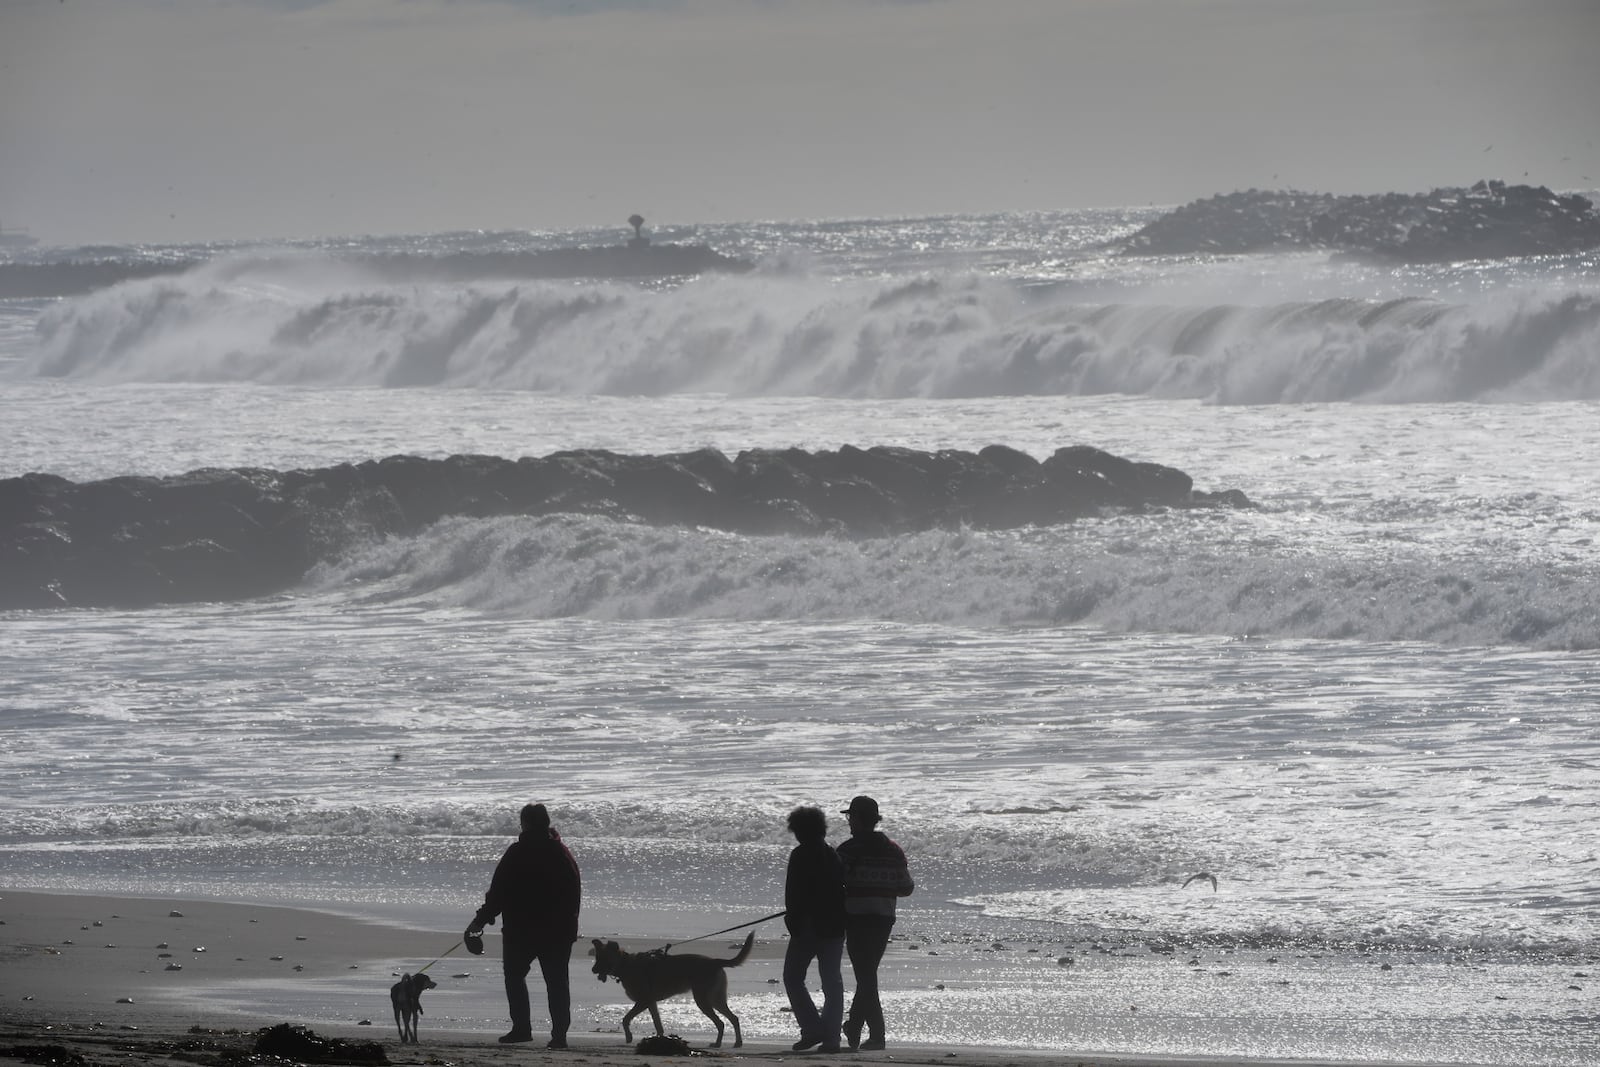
[875, 875]
[536, 891]
[813, 894]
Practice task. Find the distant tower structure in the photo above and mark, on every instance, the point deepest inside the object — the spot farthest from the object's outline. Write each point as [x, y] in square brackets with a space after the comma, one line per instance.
[639, 240]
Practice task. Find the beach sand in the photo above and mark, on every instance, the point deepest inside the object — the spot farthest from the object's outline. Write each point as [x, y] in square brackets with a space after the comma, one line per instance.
[95, 981]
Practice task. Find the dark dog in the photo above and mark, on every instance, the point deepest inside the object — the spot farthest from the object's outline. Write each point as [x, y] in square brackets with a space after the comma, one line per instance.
[406, 995]
[649, 977]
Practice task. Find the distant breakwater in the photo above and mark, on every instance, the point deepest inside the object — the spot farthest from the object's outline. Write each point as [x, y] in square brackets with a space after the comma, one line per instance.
[76, 277]
[1490, 220]
[218, 535]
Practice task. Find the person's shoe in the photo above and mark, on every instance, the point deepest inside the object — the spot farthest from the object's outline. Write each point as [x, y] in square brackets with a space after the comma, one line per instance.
[872, 1044]
[852, 1033]
[805, 1043]
[829, 1048]
[515, 1037]
[556, 1042]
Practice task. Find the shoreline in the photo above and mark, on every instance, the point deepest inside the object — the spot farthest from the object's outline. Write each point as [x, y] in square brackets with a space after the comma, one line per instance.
[128, 980]
[218, 963]
[168, 1047]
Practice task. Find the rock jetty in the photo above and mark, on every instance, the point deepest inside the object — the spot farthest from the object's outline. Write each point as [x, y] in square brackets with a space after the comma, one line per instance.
[632, 260]
[74, 277]
[215, 534]
[1490, 220]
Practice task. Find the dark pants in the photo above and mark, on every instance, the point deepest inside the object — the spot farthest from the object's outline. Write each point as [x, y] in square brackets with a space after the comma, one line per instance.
[865, 939]
[553, 960]
[803, 948]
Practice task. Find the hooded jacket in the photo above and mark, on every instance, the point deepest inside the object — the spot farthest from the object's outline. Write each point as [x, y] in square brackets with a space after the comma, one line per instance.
[535, 889]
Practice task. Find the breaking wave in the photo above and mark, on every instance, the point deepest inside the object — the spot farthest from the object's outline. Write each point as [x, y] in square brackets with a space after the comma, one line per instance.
[1125, 574]
[784, 332]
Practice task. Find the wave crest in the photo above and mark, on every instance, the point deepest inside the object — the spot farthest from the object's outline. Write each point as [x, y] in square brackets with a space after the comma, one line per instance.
[782, 331]
[1135, 573]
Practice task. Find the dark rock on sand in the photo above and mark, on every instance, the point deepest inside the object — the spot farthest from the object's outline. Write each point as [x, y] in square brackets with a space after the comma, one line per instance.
[304, 1046]
[48, 1055]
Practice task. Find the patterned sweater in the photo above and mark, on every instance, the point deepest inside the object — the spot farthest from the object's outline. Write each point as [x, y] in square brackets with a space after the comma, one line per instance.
[875, 873]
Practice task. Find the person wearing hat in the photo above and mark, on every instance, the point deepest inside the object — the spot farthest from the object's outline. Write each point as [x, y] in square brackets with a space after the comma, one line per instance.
[875, 875]
[536, 890]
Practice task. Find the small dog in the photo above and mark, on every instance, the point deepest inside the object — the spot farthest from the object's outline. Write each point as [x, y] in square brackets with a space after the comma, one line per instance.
[406, 995]
[649, 977]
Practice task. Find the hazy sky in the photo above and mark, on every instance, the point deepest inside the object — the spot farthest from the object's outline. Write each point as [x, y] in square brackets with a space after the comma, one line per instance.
[154, 120]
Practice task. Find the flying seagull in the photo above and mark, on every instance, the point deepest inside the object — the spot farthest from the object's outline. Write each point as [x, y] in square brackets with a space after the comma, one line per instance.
[1203, 876]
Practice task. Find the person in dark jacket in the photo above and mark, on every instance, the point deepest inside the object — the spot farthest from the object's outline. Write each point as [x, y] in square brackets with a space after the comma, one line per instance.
[536, 891]
[875, 874]
[813, 894]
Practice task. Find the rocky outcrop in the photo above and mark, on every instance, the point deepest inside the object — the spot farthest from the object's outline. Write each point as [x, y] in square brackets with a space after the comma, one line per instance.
[1491, 220]
[605, 261]
[76, 277]
[231, 534]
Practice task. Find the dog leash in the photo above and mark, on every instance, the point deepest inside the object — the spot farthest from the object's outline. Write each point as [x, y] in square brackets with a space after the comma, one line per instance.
[729, 930]
[441, 956]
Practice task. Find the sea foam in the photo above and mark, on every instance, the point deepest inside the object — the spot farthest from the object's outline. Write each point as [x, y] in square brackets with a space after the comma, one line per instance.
[1125, 573]
[788, 333]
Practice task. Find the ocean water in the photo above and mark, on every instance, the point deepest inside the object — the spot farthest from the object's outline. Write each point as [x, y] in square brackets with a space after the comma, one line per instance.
[1366, 707]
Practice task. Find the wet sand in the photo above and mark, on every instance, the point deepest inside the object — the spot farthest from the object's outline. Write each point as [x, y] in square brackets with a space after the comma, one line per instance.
[91, 981]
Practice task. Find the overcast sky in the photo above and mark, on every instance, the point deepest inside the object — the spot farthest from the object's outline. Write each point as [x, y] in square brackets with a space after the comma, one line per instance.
[157, 120]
